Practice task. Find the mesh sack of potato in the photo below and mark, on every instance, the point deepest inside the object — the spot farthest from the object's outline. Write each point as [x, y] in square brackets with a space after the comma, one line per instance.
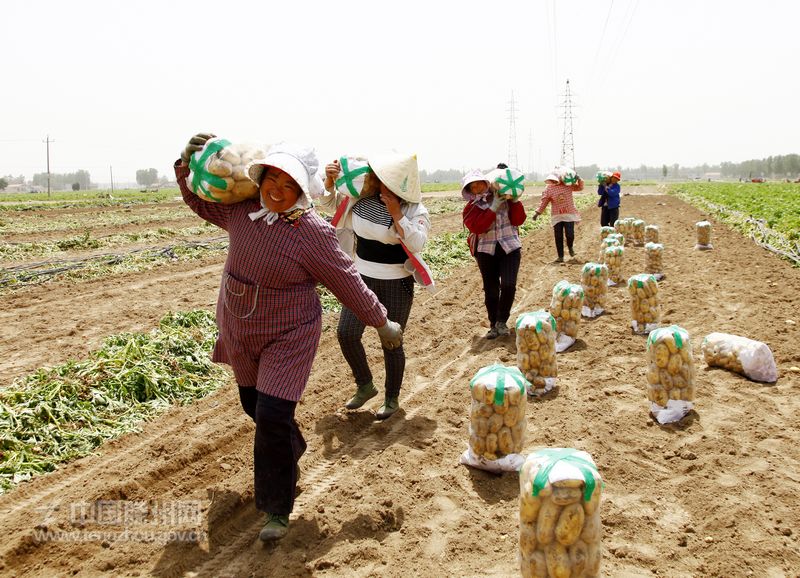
[567, 175]
[606, 231]
[703, 231]
[510, 182]
[497, 419]
[654, 259]
[536, 350]
[670, 373]
[637, 232]
[608, 242]
[560, 532]
[619, 237]
[594, 279]
[353, 173]
[566, 306]
[218, 172]
[612, 257]
[624, 227]
[645, 304]
[651, 234]
[745, 356]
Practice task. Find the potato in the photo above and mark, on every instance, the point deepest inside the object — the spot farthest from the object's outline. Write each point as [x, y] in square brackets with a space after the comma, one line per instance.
[546, 523]
[219, 167]
[245, 189]
[229, 156]
[481, 427]
[527, 540]
[478, 391]
[491, 444]
[478, 444]
[534, 566]
[558, 561]
[504, 441]
[495, 423]
[591, 528]
[529, 509]
[578, 553]
[570, 523]
[591, 506]
[564, 496]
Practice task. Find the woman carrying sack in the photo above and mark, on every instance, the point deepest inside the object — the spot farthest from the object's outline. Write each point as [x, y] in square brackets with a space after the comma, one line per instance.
[268, 311]
[564, 214]
[493, 222]
[383, 228]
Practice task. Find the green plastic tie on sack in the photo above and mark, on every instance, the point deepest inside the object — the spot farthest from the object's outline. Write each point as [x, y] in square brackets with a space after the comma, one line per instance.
[510, 183]
[197, 164]
[500, 382]
[349, 176]
[587, 468]
[539, 316]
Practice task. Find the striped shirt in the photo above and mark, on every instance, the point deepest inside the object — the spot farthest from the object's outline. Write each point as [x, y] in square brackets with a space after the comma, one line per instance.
[563, 205]
[268, 311]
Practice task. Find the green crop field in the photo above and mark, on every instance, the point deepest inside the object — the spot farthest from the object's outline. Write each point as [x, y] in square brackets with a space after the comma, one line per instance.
[777, 204]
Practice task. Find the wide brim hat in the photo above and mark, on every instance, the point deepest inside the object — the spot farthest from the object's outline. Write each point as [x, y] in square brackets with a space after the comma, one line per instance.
[553, 177]
[473, 176]
[298, 162]
[400, 174]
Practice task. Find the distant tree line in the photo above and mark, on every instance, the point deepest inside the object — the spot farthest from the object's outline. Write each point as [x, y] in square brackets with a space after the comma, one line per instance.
[64, 181]
[775, 167]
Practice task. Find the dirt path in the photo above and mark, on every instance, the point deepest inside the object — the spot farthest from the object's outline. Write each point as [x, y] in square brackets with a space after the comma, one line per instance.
[716, 497]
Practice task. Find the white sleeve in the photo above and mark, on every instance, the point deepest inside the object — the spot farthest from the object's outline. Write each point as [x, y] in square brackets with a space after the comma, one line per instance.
[415, 230]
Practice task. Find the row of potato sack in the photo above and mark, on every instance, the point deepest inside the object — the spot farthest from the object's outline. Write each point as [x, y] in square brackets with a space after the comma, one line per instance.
[632, 229]
[560, 530]
[612, 253]
[497, 419]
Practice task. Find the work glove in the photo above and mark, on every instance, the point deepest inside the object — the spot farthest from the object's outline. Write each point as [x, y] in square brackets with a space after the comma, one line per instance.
[496, 201]
[196, 143]
[391, 334]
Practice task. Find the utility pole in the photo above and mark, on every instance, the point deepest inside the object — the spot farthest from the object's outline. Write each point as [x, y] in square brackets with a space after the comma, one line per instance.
[512, 133]
[567, 142]
[48, 141]
[111, 170]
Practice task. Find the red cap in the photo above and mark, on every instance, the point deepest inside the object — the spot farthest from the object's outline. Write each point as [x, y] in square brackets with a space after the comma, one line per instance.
[616, 175]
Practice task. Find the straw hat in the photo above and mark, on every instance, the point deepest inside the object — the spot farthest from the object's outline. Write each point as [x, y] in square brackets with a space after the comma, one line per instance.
[399, 173]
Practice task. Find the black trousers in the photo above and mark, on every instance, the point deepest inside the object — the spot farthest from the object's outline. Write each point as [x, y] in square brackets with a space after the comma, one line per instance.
[558, 230]
[499, 274]
[608, 216]
[277, 448]
[397, 295]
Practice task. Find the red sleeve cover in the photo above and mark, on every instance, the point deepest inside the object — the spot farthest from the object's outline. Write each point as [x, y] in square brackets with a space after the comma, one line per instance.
[477, 220]
[516, 213]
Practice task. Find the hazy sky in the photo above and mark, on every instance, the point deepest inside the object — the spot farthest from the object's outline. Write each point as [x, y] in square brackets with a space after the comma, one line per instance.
[654, 81]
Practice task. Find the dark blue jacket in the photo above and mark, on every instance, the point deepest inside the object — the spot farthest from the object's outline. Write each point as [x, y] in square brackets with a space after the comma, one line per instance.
[611, 194]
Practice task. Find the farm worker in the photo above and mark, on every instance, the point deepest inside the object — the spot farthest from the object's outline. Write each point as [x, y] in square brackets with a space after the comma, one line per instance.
[564, 215]
[493, 222]
[268, 311]
[380, 228]
[609, 200]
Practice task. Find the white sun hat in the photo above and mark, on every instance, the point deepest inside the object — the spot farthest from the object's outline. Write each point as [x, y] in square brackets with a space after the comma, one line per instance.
[399, 173]
[473, 177]
[298, 161]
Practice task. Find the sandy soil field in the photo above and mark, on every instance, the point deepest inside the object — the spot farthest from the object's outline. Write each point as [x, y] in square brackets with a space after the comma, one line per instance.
[715, 495]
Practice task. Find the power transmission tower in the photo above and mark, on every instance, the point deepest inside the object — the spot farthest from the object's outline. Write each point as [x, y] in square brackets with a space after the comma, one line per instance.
[48, 141]
[567, 142]
[512, 133]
